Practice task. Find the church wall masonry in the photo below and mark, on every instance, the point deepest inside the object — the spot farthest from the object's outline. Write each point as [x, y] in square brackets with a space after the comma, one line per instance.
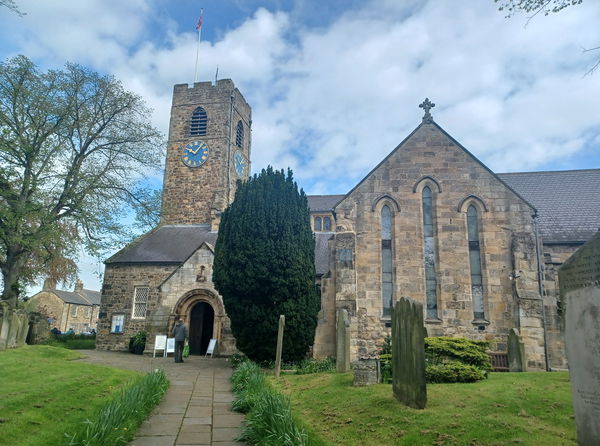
[454, 177]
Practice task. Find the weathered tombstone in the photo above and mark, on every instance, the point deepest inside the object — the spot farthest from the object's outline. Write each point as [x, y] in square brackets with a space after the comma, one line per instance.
[23, 329]
[343, 342]
[516, 352]
[408, 354]
[579, 280]
[366, 372]
[279, 345]
[4, 324]
[13, 329]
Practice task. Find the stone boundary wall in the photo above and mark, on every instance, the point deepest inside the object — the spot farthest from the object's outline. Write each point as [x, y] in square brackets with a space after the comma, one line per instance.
[14, 326]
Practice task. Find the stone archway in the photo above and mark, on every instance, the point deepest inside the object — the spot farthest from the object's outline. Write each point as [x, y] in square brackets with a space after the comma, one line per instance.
[204, 314]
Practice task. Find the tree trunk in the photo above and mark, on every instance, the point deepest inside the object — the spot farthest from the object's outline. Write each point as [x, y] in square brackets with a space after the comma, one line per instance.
[10, 275]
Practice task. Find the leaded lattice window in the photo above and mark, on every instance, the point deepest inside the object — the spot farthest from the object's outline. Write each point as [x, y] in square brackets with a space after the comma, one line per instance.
[198, 122]
[429, 251]
[475, 263]
[140, 302]
[239, 134]
[387, 284]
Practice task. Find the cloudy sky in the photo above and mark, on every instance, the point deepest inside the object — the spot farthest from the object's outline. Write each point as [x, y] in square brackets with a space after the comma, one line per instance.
[335, 85]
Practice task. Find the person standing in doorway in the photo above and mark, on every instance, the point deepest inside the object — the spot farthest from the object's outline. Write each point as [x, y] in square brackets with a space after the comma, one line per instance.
[180, 333]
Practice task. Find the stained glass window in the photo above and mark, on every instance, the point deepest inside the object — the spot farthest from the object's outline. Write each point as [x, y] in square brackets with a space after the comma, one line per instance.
[475, 263]
[429, 249]
[386, 260]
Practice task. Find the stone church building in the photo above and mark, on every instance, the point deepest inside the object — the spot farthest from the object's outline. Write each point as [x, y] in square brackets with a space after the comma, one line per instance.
[430, 222]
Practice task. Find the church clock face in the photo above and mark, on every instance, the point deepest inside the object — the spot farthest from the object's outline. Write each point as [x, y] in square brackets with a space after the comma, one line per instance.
[195, 154]
[240, 163]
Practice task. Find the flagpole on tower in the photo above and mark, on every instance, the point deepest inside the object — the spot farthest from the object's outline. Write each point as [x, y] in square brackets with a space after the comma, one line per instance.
[199, 29]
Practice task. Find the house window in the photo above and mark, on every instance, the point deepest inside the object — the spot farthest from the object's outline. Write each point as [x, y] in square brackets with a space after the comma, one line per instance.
[73, 310]
[386, 260]
[326, 224]
[318, 224]
[429, 254]
[198, 122]
[475, 263]
[140, 302]
[117, 323]
[88, 312]
[239, 134]
[345, 257]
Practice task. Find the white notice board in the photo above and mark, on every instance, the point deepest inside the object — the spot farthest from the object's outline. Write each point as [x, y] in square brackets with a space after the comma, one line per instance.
[211, 347]
[171, 345]
[160, 343]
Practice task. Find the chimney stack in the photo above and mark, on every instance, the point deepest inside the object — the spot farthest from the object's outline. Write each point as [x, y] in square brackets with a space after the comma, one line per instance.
[49, 284]
[78, 286]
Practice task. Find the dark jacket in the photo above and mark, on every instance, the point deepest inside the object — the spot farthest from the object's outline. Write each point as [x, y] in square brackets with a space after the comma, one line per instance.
[180, 332]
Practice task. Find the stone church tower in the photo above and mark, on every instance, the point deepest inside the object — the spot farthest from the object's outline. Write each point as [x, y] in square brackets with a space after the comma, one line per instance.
[167, 273]
[208, 150]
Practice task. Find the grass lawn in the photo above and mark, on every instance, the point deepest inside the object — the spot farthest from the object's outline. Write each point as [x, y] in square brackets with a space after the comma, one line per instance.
[43, 393]
[508, 408]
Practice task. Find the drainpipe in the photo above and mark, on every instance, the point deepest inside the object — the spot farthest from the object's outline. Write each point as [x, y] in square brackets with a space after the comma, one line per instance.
[541, 286]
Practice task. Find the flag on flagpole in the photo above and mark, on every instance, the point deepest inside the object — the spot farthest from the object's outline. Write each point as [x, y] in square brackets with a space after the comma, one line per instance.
[199, 24]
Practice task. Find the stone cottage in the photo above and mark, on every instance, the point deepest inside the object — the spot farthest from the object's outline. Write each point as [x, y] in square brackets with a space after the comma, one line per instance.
[430, 222]
[77, 309]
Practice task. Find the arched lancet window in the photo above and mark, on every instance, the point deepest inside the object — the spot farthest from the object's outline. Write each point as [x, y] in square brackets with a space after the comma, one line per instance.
[386, 260]
[326, 224]
[429, 250]
[198, 122]
[239, 134]
[475, 262]
[318, 224]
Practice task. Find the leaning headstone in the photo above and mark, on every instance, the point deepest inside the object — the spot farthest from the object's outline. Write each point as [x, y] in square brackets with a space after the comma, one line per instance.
[408, 354]
[13, 329]
[516, 352]
[279, 345]
[23, 329]
[342, 359]
[579, 280]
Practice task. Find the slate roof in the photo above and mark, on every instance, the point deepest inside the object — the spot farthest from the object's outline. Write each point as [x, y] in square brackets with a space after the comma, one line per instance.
[323, 203]
[568, 202]
[322, 252]
[84, 297]
[166, 244]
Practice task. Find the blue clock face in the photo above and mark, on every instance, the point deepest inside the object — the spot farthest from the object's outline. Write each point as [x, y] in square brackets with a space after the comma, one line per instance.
[195, 154]
[240, 163]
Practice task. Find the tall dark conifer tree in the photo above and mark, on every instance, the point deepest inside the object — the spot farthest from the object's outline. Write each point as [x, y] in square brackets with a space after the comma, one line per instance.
[264, 266]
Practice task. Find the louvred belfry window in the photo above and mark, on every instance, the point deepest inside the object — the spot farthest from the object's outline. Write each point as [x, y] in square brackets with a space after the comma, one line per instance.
[140, 302]
[198, 122]
[239, 134]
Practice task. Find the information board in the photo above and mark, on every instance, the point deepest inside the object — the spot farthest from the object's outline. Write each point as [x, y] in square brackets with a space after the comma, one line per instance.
[211, 347]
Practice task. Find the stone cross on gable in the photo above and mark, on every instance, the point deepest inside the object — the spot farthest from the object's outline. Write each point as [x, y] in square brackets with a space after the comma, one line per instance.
[427, 105]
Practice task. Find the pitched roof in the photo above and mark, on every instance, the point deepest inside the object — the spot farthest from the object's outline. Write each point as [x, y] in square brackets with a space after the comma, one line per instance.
[568, 201]
[166, 244]
[92, 296]
[71, 297]
[323, 203]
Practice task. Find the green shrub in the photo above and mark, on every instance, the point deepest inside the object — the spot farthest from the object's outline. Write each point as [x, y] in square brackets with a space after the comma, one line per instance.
[385, 362]
[117, 421]
[86, 343]
[237, 358]
[308, 366]
[270, 423]
[452, 372]
[441, 349]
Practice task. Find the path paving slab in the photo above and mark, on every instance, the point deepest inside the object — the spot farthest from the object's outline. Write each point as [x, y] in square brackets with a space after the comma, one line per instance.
[196, 409]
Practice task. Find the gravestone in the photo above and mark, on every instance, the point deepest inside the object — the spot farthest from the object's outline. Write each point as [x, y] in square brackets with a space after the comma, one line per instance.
[23, 329]
[579, 279]
[366, 372]
[280, 329]
[343, 342]
[4, 324]
[516, 352]
[14, 324]
[408, 354]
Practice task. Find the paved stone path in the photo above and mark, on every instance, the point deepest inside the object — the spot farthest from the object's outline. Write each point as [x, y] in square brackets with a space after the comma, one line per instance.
[196, 410]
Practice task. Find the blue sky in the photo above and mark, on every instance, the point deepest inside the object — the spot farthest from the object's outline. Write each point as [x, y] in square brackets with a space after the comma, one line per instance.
[335, 85]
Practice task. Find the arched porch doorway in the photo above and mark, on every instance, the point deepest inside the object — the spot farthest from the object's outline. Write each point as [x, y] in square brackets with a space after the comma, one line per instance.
[201, 324]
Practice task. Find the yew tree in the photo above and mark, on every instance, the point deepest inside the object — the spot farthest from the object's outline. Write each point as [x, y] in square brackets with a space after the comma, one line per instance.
[75, 149]
[264, 266]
